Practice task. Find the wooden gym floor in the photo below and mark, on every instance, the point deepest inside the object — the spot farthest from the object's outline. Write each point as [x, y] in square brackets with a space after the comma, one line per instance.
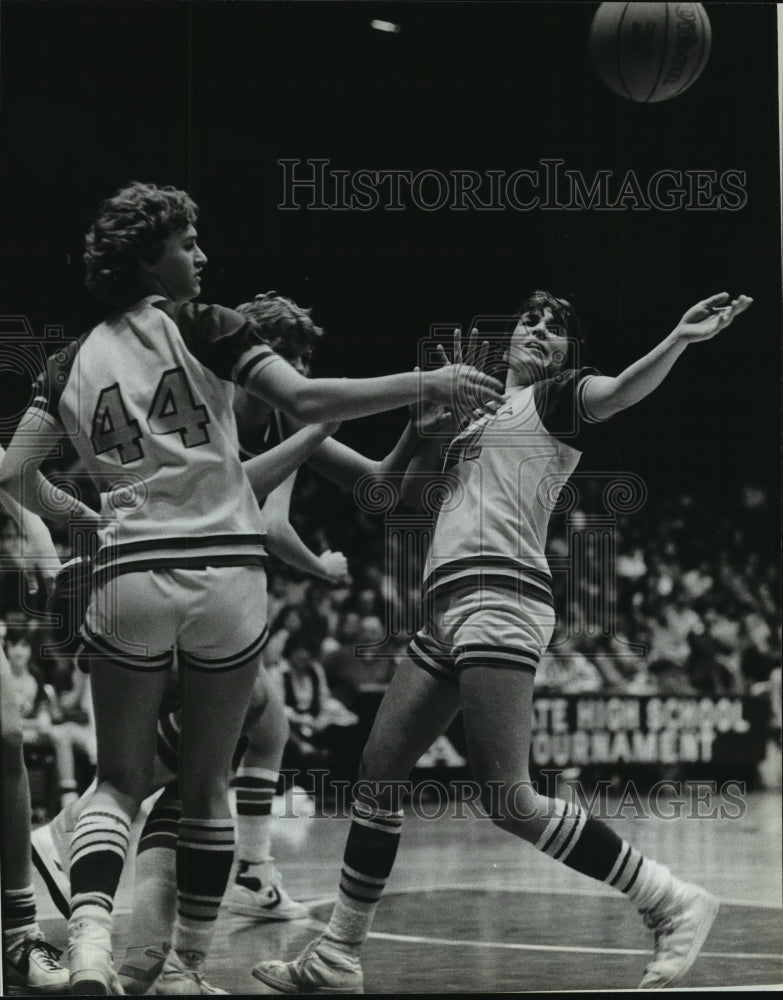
[469, 909]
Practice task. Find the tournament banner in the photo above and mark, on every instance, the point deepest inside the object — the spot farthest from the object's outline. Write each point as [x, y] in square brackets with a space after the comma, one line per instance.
[581, 730]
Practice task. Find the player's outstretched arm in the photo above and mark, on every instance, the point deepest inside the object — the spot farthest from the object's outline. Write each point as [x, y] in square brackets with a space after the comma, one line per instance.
[335, 461]
[267, 471]
[283, 541]
[605, 396]
[312, 400]
[344, 466]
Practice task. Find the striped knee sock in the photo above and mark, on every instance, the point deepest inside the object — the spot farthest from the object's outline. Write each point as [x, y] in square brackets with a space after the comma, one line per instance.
[372, 845]
[155, 886]
[205, 853]
[99, 847]
[255, 789]
[588, 846]
[19, 917]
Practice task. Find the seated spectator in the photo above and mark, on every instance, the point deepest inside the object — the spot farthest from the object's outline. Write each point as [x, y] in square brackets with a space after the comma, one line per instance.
[706, 674]
[317, 719]
[28, 689]
[566, 669]
[72, 733]
[286, 622]
[62, 724]
[670, 678]
[349, 673]
[759, 658]
[277, 595]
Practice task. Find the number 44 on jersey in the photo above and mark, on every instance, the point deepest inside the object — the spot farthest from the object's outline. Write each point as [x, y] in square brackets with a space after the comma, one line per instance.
[173, 410]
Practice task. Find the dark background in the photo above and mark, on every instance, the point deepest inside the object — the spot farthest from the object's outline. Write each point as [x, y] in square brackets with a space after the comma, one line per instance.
[208, 97]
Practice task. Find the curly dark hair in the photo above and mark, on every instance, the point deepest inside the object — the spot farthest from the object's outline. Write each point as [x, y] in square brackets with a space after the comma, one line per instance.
[286, 326]
[131, 226]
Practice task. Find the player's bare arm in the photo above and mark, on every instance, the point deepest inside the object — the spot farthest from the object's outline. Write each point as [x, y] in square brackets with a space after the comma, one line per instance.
[605, 396]
[267, 471]
[21, 479]
[26, 485]
[312, 400]
[283, 541]
[38, 549]
[344, 466]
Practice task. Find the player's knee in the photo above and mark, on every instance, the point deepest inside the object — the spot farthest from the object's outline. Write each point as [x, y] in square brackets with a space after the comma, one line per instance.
[512, 806]
[370, 767]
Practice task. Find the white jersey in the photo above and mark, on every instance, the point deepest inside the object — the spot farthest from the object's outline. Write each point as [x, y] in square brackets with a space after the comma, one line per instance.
[146, 398]
[506, 471]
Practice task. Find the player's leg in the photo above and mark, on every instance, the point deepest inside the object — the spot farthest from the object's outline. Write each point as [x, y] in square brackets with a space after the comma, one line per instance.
[51, 842]
[256, 891]
[258, 754]
[154, 906]
[128, 636]
[417, 707]
[497, 708]
[220, 634]
[501, 641]
[213, 709]
[126, 704]
[29, 963]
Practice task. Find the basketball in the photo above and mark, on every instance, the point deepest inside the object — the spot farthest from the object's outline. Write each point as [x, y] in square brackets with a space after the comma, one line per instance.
[650, 52]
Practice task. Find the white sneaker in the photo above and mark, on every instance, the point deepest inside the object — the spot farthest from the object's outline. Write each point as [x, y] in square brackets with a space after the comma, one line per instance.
[33, 968]
[320, 968]
[176, 979]
[257, 892]
[89, 950]
[681, 926]
[50, 857]
[141, 967]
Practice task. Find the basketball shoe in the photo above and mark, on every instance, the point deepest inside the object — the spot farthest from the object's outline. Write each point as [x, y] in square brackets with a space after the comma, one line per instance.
[322, 967]
[681, 924]
[177, 979]
[257, 891]
[31, 967]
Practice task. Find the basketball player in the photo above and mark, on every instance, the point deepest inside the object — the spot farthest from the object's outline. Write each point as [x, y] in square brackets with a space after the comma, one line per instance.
[257, 891]
[489, 617]
[146, 400]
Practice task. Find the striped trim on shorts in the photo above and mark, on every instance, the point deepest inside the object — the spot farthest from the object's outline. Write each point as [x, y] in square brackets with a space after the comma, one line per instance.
[492, 627]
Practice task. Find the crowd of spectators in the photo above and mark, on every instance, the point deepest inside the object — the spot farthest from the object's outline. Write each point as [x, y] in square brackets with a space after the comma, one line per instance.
[681, 600]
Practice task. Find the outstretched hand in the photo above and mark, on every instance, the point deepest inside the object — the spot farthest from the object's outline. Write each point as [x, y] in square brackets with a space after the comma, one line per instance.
[474, 356]
[707, 318]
